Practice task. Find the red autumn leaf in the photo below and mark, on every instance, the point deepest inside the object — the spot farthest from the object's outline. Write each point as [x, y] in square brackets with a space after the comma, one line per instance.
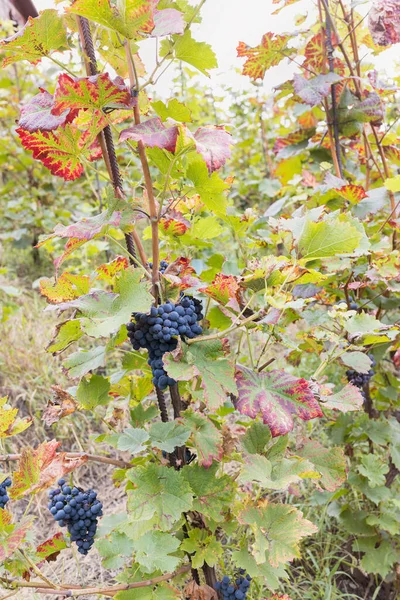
[269, 53]
[213, 143]
[277, 396]
[67, 287]
[62, 405]
[90, 93]
[167, 21]
[62, 152]
[224, 289]
[353, 193]
[70, 247]
[292, 139]
[11, 536]
[37, 113]
[313, 91]
[315, 52]
[180, 274]
[152, 133]
[384, 22]
[87, 228]
[174, 224]
[108, 271]
[40, 468]
[49, 549]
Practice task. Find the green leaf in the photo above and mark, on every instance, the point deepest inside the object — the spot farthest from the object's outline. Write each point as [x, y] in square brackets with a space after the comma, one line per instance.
[205, 437]
[328, 238]
[80, 363]
[358, 361]
[158, 592]
[379, 556]
[39, 37]
[277, 529]
[278, 475]
[130, 440]
[207, 360]
[115, 549]
[257, 436]
[363, 323]
[213, 495]
[373, 469]
[134, 296]
[353, 113]
[175, 110]
[271, 575]
[207, 228]
[93, 392]
[153, 550]
[66, 333]
[329, 462]
[393, 184]
[209, 187]
[198, 54]
[385, 521]
[203, 547]
[160, 492]
[168, 436]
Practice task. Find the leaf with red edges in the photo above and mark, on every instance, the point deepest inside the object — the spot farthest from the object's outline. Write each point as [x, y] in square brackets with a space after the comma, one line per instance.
[49, 550]
[180, 275]
[315, 53]
[41, 36]
[62, 152]
[90, 93]
[272, 50]
[40, 468]
[167, 22]
[292, 139]
[37, 113]
[12, 536]
[277, 396]
[152, 133]
[70, 247]
[67, 287]
[213, 143]
[353, 193]
[224, 289]
[384, 22]
[174, 227]
[62, 405]
[108, 271]
[87, 228]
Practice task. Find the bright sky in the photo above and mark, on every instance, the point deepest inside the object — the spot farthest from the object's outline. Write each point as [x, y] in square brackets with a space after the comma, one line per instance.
[226, 22]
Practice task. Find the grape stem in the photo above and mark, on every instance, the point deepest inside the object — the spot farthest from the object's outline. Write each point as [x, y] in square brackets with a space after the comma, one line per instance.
[73, 455]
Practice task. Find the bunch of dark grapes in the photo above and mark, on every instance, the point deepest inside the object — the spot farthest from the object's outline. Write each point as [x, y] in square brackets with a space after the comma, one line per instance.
[361, 379]
[163, 266]
[159, 330]
[3, 492]
[78, 511]
[233, 591]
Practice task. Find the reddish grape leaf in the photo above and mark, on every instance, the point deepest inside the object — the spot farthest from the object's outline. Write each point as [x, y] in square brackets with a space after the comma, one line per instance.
[62, 405]
[292, 139]
[269, 53]
[224, 289]
[167, 22]
[50, 549]
[384, 22]
[67, 287]
[108, 271]
[92, 93]
[87, 228]
[313, 91]
[12, 536]
[353, 193]
[152, 133]
[315, 53]
[37, 113]
[39, 37]
[180, 276]
[347, 399]
[205, 437]
[62, 152]
[40, 468]
[213, 143]
[174, 226]
[277, 396]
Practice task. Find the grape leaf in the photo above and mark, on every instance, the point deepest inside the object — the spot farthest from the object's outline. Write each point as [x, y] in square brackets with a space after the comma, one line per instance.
[352, 112]
[313, 91]
[153, 552]
[358, 361]
[212, 494]
[63, 152]
[384, 22]
[213, 143]
[205, 437]
[329, 462]
[40, 468]
[41, 36]
[175, 110]
[159, 492]
[152, 133]
[67, 287]
[277, 396]
[207, 360]
[198, 54]
[90, 93]
[108, 271]
[12, 536]
[87, 228]
[93, 392]
[131, 18]
[203, 548]
[271, 575]
[277, 475]
[50, 549]
[168, 436]
[37, 113]
[167, 22]
[61, 406]
[277, 529]
[80, 363]
[224, 289]
[373, 469]
[10, 424]
[256, 438]
[347, 399]
[353, 193]
[114, 549]
[328, 238]
[209, 187]
[272, 50]
[130, 440]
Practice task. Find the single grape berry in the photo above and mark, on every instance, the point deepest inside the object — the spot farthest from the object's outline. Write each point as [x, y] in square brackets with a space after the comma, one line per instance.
[158, 332]
[237, 590]
[3, 492]
[77, 510]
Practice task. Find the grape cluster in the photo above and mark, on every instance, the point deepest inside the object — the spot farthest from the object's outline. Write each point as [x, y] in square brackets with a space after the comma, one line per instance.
[78, 511]
[158, 332]
[361, 379]
[233, 591]
[163, 266]
[3, 492]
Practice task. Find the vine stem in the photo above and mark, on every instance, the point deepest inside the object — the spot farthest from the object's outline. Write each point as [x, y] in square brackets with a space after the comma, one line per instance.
[74, 591]
[221, 334]
[73, 455]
